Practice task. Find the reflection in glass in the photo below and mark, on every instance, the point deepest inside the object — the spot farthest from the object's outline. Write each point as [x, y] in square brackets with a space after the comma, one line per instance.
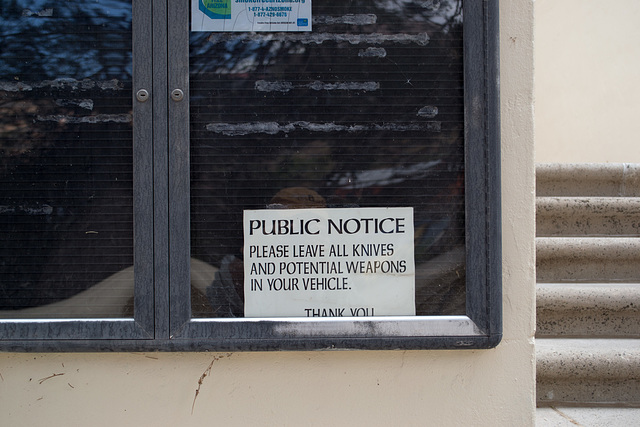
[66, 159]
[365, 111]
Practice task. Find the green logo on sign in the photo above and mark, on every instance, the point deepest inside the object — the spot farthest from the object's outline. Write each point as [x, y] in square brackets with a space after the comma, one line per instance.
[216, 9]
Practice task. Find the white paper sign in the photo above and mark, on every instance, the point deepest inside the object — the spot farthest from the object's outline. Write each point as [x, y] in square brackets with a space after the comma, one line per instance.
[251, 15]
[329, 262]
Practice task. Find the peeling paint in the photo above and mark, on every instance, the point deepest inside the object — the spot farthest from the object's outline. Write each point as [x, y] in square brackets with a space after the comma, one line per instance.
[387, 176]
[362, 19]
[113, 84]
[429, 111]
[28, 210]
[421, 39]
[373, 52]
[279, 86]
[15, 87]
[273, 128]
[87, 104]
[44, 13]
[284, 86]
[99, 118]
[63, 83]
[366, 86]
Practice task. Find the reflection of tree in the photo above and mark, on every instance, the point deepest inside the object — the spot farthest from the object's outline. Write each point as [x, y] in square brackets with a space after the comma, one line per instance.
[366, 110]
[53, 39]
[62, 179]
[245, 52]
[65, 147]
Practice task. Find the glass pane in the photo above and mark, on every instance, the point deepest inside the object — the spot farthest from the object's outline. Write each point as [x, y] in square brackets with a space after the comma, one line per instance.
[364, 111]
[66, 218]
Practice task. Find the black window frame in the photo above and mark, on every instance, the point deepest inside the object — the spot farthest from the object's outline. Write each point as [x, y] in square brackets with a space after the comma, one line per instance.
[162, 315]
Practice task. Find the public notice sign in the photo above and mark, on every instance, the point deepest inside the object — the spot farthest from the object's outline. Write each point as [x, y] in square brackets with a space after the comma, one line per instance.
[251, 15]
[351, 262]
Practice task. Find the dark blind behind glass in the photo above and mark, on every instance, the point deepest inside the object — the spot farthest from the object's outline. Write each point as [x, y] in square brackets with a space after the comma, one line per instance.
[364, 111]
[65, 159]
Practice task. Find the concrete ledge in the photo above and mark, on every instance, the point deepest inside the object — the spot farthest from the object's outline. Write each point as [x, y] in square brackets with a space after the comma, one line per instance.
[563, 259]
[594, 310]
[588, 179]
[588, 358]
[588, 372]
[579, 416]
[588, 392]
[593, 216]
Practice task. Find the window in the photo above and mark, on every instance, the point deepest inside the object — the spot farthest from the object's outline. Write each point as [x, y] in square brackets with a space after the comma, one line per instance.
[333, 183]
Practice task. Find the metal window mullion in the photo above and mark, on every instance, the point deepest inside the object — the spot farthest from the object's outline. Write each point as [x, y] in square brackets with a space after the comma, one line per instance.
[178, 160]
[143, 168]
[160, 170]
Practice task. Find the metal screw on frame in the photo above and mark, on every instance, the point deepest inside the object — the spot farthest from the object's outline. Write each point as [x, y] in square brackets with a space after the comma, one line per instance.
[177, 95]
[142, 95]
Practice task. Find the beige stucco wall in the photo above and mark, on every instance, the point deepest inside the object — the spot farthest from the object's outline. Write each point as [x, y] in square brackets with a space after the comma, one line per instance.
[587, 89]
[374, 388]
